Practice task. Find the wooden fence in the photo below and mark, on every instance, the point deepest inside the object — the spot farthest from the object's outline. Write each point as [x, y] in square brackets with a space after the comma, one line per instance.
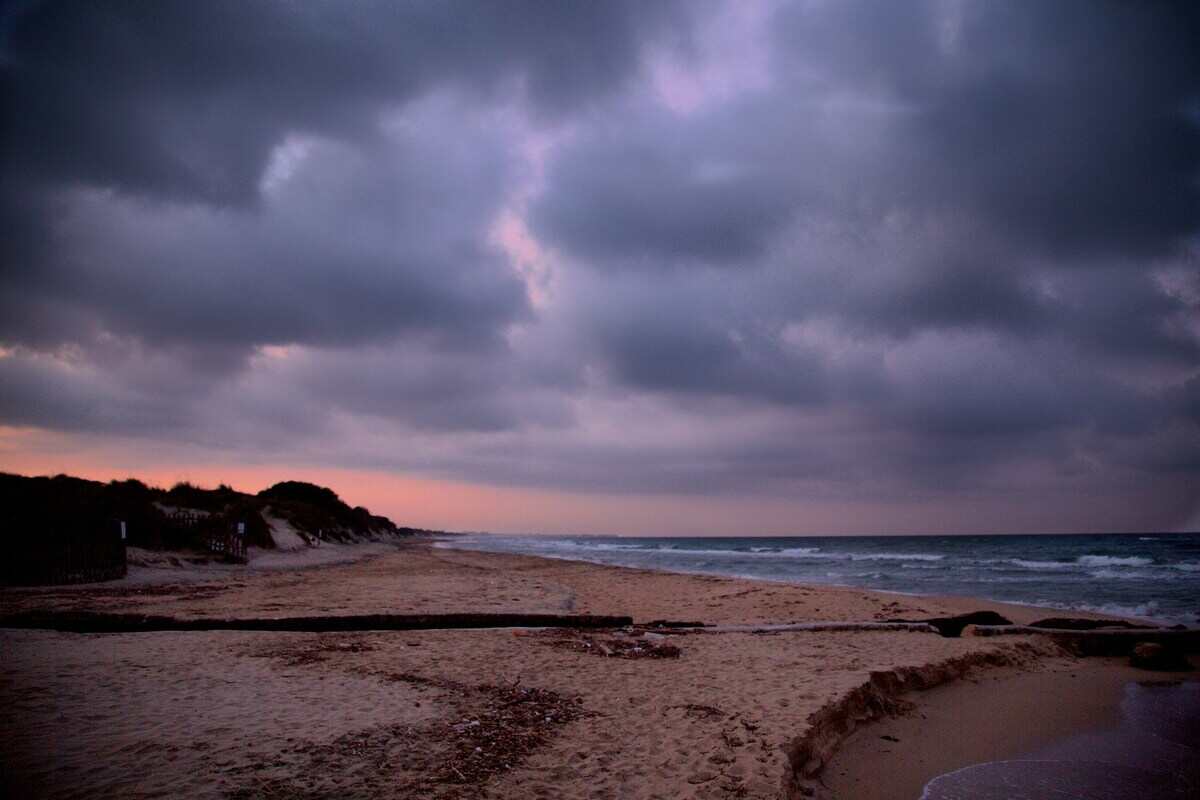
[229, 541]
[64, 553]
[57, 557]
[185, 519]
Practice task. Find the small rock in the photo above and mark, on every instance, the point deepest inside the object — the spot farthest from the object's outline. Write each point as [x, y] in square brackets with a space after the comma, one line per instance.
[1151, 655]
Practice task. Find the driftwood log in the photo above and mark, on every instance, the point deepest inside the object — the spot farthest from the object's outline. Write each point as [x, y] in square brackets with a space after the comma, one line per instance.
[1113, 642]
[92, 622]
[953, 626]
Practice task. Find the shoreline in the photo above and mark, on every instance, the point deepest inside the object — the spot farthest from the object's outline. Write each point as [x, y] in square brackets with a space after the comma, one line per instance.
[1024, 609]
[718, 714]
[151, 571]
[1146, 611]
[311, 563]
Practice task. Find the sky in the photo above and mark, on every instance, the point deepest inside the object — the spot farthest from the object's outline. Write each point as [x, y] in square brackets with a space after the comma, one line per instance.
[620, 267]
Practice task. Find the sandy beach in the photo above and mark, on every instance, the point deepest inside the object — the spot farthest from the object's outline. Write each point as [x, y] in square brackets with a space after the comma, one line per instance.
[474, 713]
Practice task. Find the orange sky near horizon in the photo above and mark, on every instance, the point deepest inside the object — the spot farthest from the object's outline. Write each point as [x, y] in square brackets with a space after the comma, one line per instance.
[449, 505]
[440, 504]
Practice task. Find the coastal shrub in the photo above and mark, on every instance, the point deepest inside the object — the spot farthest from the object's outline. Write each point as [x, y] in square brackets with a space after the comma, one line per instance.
[187, 495]
[62, 507]
[310, 508]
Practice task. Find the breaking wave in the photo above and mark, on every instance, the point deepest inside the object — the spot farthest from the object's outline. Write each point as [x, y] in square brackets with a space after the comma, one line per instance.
[1113, 561]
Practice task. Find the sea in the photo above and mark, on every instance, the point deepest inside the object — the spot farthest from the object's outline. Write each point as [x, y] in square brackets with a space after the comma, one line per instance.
[1149, 576]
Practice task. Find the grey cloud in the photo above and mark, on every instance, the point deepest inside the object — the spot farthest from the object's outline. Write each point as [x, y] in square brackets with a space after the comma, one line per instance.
[953, 290]
[358, 246]
[923, 255]
[430, 390]
[1014, 142]
[44, 394]
[186, 99]
[655, 192]
[1060, 127]
[1065, 123]
[981, 386]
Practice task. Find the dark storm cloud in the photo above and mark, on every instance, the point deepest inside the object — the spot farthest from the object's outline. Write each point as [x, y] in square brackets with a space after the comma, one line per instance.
[953, 290]
[935, 244]
[188, 182]
[360, 246]
[441, 392]
[1066, 123]
[37, 394]
[692, 355]
[657, 192]
[189, 102]
[1019, 140]
[1063, 127]
[187, 99]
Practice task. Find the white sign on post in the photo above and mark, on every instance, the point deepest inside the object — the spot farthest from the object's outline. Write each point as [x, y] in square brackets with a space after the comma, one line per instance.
[241, 529]
[122, 530]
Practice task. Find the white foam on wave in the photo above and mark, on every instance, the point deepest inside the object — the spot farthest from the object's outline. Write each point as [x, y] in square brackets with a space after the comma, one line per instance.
[787, 551]
[895, 557]
[1010, 579]
[1118, 575]
[1113, 561]
[1084, 561]
[1147, 610]
[817, 554]
[617, 547]
[1021, 562]
[754, 552]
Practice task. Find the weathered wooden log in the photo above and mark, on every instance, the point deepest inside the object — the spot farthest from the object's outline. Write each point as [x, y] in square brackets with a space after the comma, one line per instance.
[814, 627]
[952, 627]
[1078, 624]
[1119, 642]
[92, 622]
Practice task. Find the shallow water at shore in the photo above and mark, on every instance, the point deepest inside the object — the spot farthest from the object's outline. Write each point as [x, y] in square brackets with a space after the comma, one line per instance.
[1154, 576]
[1153, 753]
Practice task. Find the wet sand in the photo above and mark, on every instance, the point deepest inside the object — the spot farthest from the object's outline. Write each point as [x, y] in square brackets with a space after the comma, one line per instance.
[496, 713]
[995, 716]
